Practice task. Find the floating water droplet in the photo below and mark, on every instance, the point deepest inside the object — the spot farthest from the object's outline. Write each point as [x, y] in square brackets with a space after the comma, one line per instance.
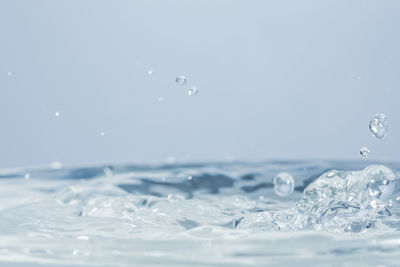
[378, 125]
[190, 177]
[364, 152]
[192, 91]
[27, 176]
[150, 72]
[57, 114]
[102, 133]
[56, 165]
[181, 80]
[160, 99]
[9, 73]
[170, 160]
[283, 184]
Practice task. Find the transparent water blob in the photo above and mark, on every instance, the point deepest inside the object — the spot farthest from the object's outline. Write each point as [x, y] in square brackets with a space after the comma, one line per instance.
[102, 133]
[192, 91]
[378, 125]
[283, 184]
[181, 80]
[364, 152]
[27, 176]
[150, 72]
[9, 73]
[57, 114]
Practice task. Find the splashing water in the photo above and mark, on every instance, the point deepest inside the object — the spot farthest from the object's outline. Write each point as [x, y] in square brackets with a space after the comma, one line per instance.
[211, 214]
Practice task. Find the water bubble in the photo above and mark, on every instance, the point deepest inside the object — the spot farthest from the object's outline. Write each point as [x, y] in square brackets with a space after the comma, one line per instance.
[192, 91]
[283, 184]
[57, 114]
[150, 72]
[9, 73]
[160, 99]
[364, 152]
[181, 80]
[378, 125]
[27, 176]
[102, 133]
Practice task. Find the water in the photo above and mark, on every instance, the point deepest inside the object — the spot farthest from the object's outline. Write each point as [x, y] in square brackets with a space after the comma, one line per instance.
[181, 80]
[364, 152]
[216, 214]
[283, 184]
[378, 125]
[192, 91]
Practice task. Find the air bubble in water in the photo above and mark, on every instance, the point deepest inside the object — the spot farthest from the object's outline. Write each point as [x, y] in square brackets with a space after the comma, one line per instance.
[57, 114]
[102, 133]
[364, 152]
[181, 80]
[9, 73]
[150, 72]
[378, 125]
[192, 91]
[27, 176]
[283, 184]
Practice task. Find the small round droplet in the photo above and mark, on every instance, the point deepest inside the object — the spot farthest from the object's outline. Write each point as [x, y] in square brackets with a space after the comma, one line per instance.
[190, 177]
[9, 73]
[364, 152]
[55, 165]
[102, 133]
[378, 125]
[27, 176]
[192, 91]
[160, 99]
[181, 80]
[57, 114]
[283, 184]
[150, 72]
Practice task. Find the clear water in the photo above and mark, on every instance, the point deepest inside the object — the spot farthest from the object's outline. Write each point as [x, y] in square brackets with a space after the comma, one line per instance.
[217, 214]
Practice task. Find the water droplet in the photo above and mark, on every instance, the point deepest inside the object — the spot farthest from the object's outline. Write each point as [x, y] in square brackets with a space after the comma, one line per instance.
[181, 80]
[364, 152]
[192, 91]
[56, 165]
[170, 160]
[150, 72]
[190, 177]
[378, 125]
[160, 99]
[283, 184]
[9, 73]
[27, 176]
[102, 133]
[57, 114]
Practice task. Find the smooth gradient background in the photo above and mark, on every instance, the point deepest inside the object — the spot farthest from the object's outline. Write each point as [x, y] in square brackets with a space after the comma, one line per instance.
[277, 80]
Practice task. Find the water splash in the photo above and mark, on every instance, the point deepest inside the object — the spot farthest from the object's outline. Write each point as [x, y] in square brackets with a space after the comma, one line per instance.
[338, 201]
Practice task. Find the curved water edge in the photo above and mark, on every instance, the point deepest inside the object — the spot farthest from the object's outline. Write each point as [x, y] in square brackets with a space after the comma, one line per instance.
[78, 215]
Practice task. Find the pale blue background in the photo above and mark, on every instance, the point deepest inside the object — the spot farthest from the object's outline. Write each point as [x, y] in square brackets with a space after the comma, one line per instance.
[277, 80]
